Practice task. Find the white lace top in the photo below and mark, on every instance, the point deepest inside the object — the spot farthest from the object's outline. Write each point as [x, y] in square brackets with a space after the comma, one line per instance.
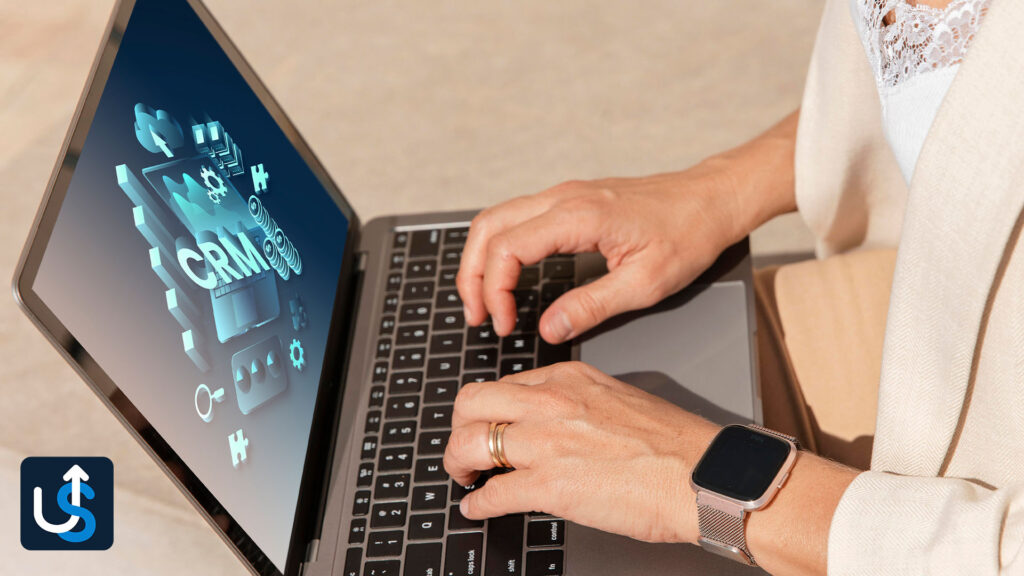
[914, 60]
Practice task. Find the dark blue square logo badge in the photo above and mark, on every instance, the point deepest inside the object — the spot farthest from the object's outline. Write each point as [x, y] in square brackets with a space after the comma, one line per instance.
[67, 503]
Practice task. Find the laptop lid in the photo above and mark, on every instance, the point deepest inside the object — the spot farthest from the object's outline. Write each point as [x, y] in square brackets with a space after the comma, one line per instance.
[192, 259]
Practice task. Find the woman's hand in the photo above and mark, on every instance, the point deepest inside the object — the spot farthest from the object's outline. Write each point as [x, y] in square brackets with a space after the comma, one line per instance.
[656, 233]
[585, 447]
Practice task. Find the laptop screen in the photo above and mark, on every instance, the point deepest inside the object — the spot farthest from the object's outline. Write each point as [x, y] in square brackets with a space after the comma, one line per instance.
[196, 257]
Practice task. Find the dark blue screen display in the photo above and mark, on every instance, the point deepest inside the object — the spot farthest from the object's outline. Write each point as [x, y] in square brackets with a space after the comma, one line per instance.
[196, 258]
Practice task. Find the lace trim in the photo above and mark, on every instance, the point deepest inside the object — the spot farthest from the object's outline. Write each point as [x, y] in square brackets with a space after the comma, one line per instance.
[920, 38]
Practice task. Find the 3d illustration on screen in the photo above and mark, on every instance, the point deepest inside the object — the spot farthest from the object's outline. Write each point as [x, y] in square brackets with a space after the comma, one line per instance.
[222, 258]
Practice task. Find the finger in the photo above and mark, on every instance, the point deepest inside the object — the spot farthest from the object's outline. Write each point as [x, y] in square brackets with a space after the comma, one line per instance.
[530, 377]
[501, 401]
[505, 494]
[580, 309]
[554, 231]
[468, 452]
[471, 268]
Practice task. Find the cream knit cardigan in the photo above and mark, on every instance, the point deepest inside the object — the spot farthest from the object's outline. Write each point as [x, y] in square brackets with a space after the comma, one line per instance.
[944, 493]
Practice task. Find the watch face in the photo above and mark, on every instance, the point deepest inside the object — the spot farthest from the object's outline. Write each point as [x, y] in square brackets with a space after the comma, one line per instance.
[741, 463]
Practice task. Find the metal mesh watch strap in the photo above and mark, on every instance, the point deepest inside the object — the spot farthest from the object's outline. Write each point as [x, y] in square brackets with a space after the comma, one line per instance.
[723, 530]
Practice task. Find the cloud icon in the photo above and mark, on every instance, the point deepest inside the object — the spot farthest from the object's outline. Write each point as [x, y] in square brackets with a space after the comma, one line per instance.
[157, 131]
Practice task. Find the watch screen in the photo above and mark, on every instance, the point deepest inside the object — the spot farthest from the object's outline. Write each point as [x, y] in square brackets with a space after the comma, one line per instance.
[741, 463]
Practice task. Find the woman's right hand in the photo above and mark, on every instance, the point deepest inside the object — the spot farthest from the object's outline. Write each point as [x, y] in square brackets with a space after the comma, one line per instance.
[657, 234]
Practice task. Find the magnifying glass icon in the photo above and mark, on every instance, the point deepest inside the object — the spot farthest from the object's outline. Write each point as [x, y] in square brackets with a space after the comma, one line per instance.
[211, 397]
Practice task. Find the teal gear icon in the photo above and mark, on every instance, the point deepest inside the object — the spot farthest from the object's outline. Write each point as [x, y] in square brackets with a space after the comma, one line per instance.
[297, 354]
[214, 193]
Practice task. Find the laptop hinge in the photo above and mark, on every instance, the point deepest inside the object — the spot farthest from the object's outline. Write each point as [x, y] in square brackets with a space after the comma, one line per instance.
[361, 261]
[312, 550]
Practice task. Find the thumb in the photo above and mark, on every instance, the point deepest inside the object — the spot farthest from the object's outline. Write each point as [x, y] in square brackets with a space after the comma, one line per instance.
[580, 309]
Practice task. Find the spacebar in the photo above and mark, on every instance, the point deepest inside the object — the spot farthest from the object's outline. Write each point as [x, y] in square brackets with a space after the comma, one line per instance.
[504, 546]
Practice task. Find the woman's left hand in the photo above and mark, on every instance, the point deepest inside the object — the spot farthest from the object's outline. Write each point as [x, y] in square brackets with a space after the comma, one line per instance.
[586, 447]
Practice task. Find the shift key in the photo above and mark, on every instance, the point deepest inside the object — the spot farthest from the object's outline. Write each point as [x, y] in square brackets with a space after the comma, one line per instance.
[464, 554]
[504, 546]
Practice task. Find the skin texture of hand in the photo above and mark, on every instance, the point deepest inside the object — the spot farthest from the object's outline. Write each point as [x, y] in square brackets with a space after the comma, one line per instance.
[585, 447]
[657, 234]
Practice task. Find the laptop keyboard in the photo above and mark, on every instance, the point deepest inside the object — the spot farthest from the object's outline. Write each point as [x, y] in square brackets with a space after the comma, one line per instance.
[406, 519]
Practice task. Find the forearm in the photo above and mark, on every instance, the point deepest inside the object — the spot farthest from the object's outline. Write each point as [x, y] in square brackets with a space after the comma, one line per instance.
[790, 536]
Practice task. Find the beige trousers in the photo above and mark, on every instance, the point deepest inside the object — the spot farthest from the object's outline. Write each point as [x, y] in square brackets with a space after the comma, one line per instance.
[821, 325]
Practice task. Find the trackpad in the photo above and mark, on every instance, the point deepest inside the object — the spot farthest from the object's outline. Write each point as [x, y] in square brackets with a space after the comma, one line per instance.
[693, 349]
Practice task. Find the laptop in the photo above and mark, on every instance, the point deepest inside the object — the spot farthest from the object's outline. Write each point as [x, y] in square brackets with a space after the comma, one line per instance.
[292, 369]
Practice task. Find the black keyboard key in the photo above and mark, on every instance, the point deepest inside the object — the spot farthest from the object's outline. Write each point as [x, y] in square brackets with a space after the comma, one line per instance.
[542, 533]
[432, 443]
[528, 277]
[436, 417]
[406, 382]
[357, 531]
[423, 559]
[401, 240]
[387, 325]
[409, 358]
[397, 259]
[544, 563]
[464, 555]
[430, 497]
[353, 562]
[446, 343]
[483, 334]
[479, 377]
[443, 367]
[456, 521]
[361, 505]
[450, 320]
[448, 299]
[411, 335]
[419, 312]
[376, 396]
[369, 449]
[390, 303]
[391, 486]
[372, 422]
[387, 543]
[526, 300]
[451, 256]
[403, 432]
[388, 515]
[395, 459]
[424, 243]
[548, 354]
[441, 392]
[560, 268]
[383, 568]
[418, 290]
[481, 358]
[515, 365]
[551, 291]
[384, 348]
[426, 526]
[504, 546]
[521, 344]
[365, 475]
[421, 269]
[403, 406]
[459, 491]
[526, 323]
[447, 278]
[394, 281]
[456, 235]
[430, 470]
[380, 372]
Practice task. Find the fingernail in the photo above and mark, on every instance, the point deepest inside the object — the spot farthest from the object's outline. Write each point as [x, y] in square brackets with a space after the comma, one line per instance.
[462, 505]
[465, 312]
[560, 326]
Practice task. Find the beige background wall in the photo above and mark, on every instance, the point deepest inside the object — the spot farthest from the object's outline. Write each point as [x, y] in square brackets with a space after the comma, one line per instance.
[412, 106]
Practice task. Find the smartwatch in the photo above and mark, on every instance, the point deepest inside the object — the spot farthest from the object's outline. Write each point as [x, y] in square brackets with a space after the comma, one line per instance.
[740, 472]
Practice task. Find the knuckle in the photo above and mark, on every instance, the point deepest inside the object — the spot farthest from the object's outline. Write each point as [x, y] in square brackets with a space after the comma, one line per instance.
[459, 443]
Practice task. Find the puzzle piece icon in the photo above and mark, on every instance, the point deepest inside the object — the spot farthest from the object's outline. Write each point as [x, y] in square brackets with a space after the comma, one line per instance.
[237, 442]
[259, 178]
